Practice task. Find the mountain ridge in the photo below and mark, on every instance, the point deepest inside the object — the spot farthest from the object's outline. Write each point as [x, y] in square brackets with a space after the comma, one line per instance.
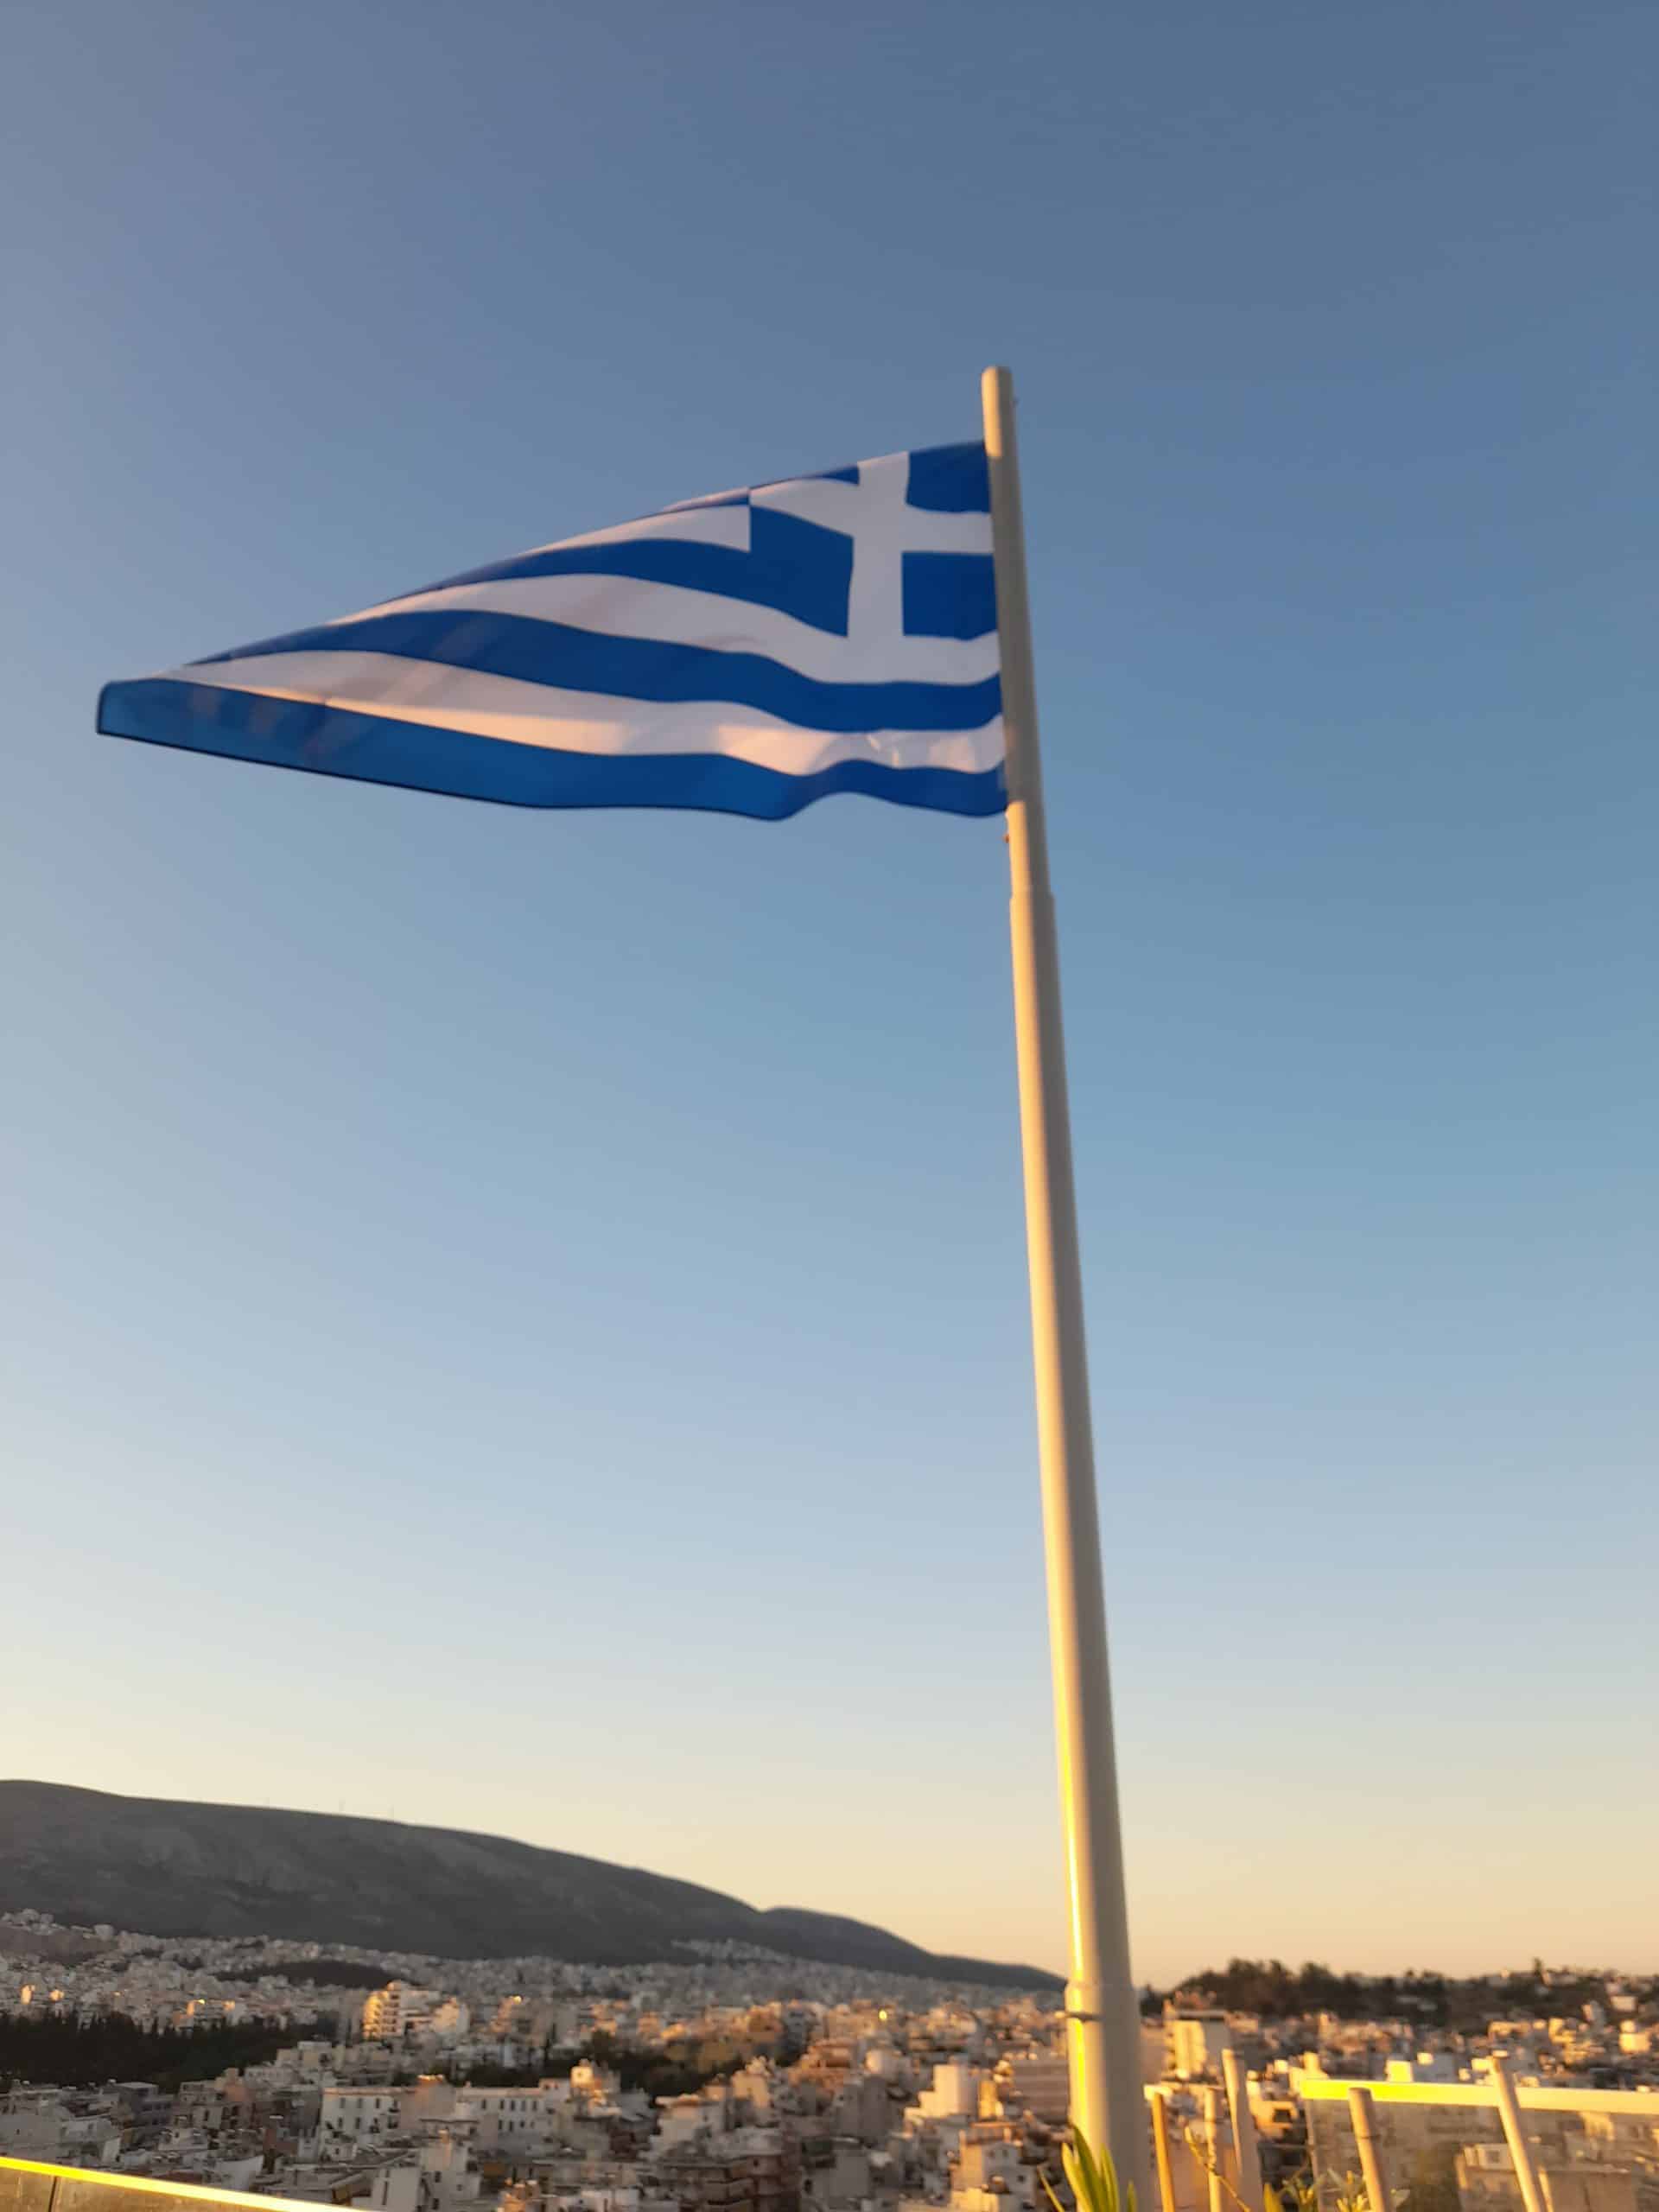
[178, 1867]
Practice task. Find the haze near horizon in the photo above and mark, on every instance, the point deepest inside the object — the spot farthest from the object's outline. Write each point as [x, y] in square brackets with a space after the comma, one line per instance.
[518, 1321]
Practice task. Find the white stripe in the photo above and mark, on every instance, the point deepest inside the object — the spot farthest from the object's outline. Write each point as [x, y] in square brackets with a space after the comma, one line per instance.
[622, 607]
[582, 722]
[727, 525]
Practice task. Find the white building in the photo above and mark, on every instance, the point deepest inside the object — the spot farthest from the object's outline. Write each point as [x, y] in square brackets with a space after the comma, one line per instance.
[37, 2124]
[954, 2094]
[353, 2118]
[1040, 2084]
[988, 2175]
[517, 2122]
[400, 2010]
[1194, 2043]
[443, 2178]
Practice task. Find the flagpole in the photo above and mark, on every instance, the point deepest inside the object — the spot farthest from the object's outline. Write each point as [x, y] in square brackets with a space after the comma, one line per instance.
[1103, 2021]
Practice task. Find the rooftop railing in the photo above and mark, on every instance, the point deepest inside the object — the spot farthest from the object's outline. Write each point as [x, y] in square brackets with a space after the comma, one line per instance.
[29, 2186]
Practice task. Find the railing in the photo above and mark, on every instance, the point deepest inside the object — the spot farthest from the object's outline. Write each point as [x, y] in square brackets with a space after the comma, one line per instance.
[29, 2186]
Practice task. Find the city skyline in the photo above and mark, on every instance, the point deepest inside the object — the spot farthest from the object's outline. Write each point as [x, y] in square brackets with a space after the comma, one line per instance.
[518, 1322]
[730, 2079]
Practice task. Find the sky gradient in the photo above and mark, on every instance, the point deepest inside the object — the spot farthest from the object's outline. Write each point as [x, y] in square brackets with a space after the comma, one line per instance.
[518, 1320]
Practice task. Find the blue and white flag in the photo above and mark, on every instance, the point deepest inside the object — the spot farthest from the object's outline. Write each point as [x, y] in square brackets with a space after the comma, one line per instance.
[749, 653]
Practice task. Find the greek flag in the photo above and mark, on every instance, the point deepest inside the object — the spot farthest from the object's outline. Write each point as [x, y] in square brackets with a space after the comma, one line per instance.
[749, 652]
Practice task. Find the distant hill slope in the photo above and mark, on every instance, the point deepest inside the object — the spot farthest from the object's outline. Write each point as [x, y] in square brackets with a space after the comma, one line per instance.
[167, 1868]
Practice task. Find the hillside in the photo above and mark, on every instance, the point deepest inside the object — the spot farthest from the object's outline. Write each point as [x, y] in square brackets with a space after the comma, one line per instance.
[177, 1868]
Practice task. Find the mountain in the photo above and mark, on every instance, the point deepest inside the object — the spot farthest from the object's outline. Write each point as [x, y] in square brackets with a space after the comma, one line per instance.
[162, 1868]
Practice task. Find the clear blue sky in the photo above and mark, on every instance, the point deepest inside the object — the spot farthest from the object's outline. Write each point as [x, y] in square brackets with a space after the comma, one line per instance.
[519, 1319]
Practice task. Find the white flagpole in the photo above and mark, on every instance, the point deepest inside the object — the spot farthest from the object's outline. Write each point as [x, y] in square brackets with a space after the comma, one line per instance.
[1103, 2035]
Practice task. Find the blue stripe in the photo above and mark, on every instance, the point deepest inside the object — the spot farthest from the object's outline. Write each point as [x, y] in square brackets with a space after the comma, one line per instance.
[949, 595]
[950, 481]
[799, 568]
[378, 749]
[643, 667]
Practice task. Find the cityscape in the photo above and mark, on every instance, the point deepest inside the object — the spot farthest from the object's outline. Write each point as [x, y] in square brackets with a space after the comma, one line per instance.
[735, 2079]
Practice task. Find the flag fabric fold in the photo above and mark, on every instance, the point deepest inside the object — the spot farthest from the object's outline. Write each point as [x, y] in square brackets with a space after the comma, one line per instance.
[747, 653]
